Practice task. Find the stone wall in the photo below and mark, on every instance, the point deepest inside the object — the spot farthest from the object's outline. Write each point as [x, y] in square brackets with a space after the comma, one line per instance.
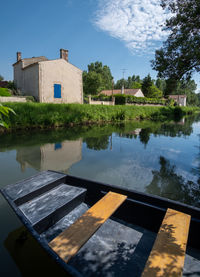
[12, 99]
[31, 81]
[97, 102]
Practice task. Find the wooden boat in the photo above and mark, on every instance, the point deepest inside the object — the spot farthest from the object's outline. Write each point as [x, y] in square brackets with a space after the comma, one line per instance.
[94, 229]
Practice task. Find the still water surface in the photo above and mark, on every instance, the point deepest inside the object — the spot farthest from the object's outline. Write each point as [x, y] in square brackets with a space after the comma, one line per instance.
[157, 158]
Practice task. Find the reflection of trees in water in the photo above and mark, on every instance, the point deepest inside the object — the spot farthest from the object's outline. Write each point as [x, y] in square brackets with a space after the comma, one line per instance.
[97, 143]
[145, 135]
[196, 169]
[167, 183]
[170, 129]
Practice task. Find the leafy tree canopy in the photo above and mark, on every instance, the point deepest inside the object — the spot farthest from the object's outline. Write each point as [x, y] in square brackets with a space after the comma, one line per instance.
[136, 85]
[97, 78]
[130, 82]
[180, 55]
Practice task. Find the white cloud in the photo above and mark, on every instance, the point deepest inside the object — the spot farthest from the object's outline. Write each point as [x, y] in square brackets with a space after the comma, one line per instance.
[138, 23]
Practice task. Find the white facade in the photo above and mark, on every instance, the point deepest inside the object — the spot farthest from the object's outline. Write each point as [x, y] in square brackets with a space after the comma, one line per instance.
[49, 81]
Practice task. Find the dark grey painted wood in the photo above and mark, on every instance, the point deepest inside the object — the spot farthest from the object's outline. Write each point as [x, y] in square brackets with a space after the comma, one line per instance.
[45, 210]
[26, 187]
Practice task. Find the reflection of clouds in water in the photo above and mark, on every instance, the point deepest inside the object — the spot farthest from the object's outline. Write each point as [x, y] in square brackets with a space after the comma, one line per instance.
[187, 176]
[129, 174]
[170, 150]
[174, 150]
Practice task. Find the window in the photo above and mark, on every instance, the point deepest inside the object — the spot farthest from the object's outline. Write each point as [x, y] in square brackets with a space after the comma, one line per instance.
[57, 146]
[57, 91]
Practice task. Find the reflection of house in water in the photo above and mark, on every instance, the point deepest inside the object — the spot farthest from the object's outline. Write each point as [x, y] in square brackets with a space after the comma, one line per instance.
[55, 156]
[135, 132]
[182, 121]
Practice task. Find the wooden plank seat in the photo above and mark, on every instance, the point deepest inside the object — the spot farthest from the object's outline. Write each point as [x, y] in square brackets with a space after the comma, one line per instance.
[75, 236]
[168, 253]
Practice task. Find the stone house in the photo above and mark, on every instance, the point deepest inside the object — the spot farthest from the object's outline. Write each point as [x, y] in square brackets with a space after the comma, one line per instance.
[134, 92]
[49, 81]
[179, 99]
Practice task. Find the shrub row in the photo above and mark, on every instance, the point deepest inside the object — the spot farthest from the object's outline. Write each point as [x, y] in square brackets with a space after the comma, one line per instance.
[101, 97]
[130, 99]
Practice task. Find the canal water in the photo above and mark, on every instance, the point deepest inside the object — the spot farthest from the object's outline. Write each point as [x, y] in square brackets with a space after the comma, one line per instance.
[156, 158]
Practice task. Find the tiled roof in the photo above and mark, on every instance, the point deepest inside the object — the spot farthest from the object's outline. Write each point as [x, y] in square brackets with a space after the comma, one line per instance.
[119, 91]
[177, 96]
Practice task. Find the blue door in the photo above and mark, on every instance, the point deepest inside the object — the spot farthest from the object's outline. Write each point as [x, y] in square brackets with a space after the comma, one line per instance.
[57, 91]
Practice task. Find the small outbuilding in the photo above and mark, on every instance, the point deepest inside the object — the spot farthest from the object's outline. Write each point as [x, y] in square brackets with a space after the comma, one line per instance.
[179, 99]
[49, 81]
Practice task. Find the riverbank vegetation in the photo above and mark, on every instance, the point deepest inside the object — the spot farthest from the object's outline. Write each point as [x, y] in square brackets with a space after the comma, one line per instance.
[45, 116]
[5, 92]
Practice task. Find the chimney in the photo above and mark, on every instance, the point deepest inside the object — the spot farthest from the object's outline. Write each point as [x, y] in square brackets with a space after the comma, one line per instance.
[122, 90]
[19, 56]
[64, 54]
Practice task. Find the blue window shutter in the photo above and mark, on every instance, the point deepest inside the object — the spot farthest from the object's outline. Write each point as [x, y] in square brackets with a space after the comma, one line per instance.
[57, 91]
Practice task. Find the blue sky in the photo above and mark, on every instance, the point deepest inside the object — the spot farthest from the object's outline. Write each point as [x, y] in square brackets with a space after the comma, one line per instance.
[122, 34]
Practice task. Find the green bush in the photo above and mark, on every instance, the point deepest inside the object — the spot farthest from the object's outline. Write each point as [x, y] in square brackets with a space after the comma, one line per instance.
[130, 99]
[5, 92]
[85, 99]
[101, 97]
[120, 99]
[11, 85]
[170, 102]
[30, 99]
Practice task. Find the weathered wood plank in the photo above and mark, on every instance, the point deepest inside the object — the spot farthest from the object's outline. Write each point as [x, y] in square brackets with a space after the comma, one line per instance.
[48, 208]
[168, 253]
[29, 188]
[72, 239]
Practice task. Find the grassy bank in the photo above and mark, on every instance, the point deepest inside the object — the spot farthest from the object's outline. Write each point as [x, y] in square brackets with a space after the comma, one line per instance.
[37, 115]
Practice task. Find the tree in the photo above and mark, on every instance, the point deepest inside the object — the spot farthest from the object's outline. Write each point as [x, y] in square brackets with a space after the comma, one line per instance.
[97, 78]
[161, 84]
[180, 55]
[120, 83]
[136, 85]
[133, 82]
[1, 78]
[92, 82]
[136, 79]
[154, 92]
[146, 84]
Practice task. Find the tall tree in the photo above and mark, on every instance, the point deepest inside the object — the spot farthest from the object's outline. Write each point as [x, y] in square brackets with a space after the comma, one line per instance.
[161, 84]
[146, 84]
[120, 83]
[1, 78]
[97, 78]
[180, 55]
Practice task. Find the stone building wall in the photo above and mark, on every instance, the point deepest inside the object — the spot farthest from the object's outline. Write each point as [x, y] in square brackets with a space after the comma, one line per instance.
[63, 73]
[31, 81]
